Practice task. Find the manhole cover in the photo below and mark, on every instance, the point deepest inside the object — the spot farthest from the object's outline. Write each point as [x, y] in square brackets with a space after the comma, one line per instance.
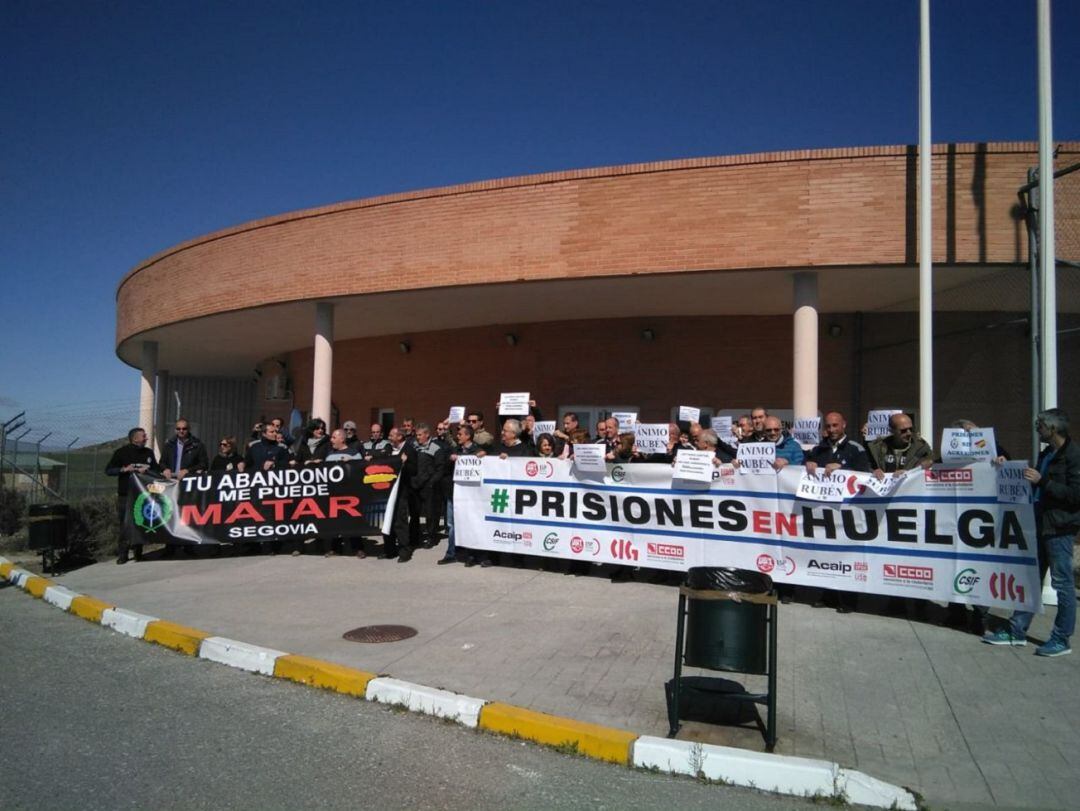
[380, 633]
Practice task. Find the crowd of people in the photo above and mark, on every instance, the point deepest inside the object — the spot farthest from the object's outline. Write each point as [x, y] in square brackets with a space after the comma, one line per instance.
[427, 457]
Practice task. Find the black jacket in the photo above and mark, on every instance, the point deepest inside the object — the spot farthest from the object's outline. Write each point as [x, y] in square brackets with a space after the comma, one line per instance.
[129, 455]
[1058, 507]
[258, 453]
[431, 460]
[849, 453]
[304, 451]
[193, 456]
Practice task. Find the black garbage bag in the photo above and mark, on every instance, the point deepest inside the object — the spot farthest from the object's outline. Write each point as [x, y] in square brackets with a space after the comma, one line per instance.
[723, 579]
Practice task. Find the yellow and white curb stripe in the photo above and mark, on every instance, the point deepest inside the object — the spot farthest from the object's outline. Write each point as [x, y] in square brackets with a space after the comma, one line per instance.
[776, 773]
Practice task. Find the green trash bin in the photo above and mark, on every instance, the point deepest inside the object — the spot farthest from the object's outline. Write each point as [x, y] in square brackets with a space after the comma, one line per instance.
[727, 634]
[48, 526]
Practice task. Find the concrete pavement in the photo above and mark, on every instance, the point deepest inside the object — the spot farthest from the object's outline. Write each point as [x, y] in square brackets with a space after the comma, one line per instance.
[911, 703]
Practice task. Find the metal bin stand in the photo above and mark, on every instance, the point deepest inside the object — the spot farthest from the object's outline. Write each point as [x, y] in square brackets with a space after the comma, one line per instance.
[725, 631]
[48, 527]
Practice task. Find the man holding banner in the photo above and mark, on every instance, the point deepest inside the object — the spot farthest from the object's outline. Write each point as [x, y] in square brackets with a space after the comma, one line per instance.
[1055, 480]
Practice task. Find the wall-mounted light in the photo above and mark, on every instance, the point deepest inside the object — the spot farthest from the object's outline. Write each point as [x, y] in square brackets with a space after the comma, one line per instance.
[648, 335]
[404, 347]
[835, 330]
[511, 339]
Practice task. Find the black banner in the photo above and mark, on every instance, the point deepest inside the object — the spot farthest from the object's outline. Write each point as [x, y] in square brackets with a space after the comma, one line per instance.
[309, 501]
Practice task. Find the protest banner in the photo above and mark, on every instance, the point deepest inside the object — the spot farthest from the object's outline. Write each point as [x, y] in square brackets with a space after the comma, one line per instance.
[877, 423]
[651, 437]
[689, 414]
[457, 414]
[589, 458]
[467, 470]
[962, 447]
[694, 466]
[514, 403]
[1013, 488]
[722, 427]
[314, 501]
[942, 535]
[545, 427]
[807, 431]
[626, 420]
[756, 458]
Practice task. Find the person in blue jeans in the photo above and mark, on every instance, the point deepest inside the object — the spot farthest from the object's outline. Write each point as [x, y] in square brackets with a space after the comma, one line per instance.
[1055, 480]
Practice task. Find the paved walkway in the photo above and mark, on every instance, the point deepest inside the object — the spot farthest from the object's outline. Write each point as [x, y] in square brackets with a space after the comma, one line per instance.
[912, 703]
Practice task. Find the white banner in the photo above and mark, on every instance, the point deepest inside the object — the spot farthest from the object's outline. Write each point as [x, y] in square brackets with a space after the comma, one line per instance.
[942, 535]
[626, 420]
[689, 414]
[757, 458]
[807, 431]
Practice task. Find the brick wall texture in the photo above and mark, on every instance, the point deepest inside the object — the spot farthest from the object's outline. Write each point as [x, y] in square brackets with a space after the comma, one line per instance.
[813, 208]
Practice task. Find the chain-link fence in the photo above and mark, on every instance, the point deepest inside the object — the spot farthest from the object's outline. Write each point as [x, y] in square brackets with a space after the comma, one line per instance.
[59, 454]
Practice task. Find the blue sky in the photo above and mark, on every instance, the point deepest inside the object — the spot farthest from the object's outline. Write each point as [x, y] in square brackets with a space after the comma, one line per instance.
[128, 127]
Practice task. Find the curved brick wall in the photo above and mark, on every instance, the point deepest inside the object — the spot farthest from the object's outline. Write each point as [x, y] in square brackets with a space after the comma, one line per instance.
[815, 208]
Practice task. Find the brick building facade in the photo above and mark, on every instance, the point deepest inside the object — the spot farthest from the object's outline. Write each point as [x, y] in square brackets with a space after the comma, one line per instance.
[579, 266]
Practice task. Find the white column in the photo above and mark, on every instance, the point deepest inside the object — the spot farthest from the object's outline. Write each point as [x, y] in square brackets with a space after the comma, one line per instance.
[926, 241]
[148, 368]
[161, 412]
[1047, 268]
[805, 376]
[323, 370]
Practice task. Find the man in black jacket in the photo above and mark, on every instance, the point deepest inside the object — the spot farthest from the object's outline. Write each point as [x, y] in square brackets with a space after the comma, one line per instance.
[134, 457]
[183, 454]
[1055, 480]
[837, 452]
[431, 459]
[267, 453]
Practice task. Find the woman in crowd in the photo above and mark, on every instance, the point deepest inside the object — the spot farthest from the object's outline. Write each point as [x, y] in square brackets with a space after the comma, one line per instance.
[227, 457]
[314, 444]
[545, 446]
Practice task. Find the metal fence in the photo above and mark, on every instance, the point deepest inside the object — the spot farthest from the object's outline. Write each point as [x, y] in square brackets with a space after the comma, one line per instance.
[60, 454]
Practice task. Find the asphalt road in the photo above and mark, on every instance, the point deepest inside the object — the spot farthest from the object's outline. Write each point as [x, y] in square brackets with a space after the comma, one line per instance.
[90, 719]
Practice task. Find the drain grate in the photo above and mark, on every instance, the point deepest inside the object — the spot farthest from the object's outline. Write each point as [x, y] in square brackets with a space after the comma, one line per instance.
[380, 633]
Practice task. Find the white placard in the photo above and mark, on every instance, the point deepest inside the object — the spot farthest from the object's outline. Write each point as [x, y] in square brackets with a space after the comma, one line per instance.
[722, 426]
[627, 420]
[877, 423]
[757, 458]
[545, 427]
[468, 469]
[589, 458]
[689, 414]
[457, 414]
[651, 437]
[695, 466]
[976, 445]
[514, 403]
[807, 431]
[1012, 487]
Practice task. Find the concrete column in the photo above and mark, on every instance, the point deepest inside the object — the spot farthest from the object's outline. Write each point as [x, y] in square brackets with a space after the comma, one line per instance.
[148, 368]
[157, 439]
[323, 370]
[805, 377]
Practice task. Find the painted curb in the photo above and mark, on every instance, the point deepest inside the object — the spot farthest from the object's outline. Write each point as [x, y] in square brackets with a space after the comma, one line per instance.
[325, 675]
[441, 703]
[126, 622]
[254, 658]
[862, 789]
[176, 637]
[89, 608]
[591, 740]
[60, 597]
[19, 577]
[780, 774]
[36, 586]
[777, 773]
